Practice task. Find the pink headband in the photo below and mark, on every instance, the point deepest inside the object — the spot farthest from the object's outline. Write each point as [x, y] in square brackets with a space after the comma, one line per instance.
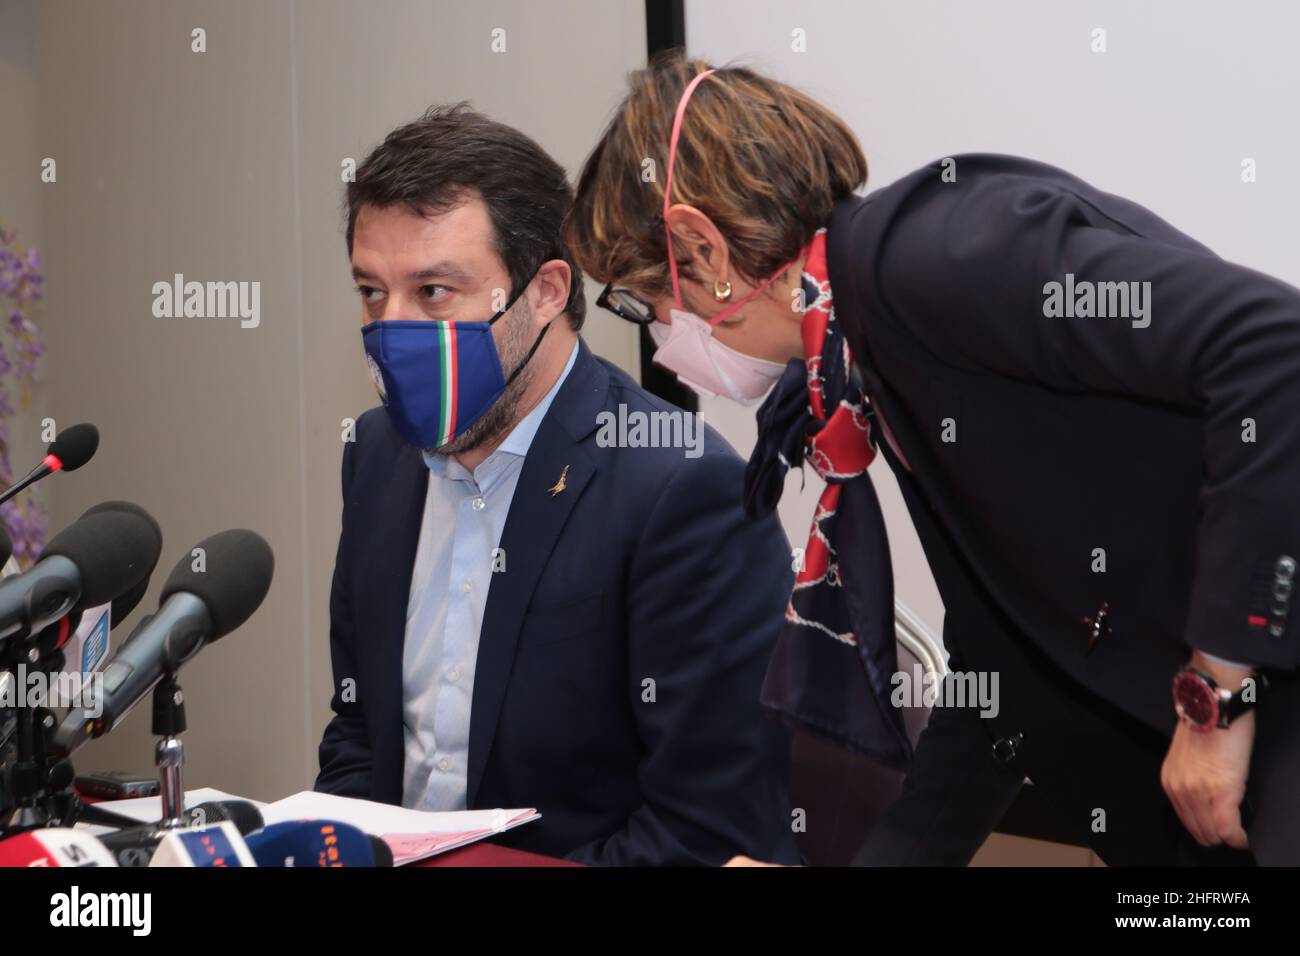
[668, 184]
[668, 189]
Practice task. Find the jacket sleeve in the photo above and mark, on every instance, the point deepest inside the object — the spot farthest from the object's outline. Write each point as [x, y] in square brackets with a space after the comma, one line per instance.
[707, 590]
[345, 758]
[967, 269]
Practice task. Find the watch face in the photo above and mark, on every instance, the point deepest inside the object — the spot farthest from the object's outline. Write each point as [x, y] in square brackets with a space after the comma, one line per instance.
[1195, 700]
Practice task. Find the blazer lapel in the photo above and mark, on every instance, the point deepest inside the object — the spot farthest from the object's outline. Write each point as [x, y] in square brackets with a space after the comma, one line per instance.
[536, 517]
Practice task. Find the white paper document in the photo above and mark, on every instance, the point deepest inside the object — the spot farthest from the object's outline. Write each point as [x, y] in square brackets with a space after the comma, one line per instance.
[411, 834]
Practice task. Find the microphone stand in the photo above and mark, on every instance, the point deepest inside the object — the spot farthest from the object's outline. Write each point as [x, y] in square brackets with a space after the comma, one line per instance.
[24, 780]
[23, 811]
[66, 807]
[169, 758]
[169, 754]
[40, 792]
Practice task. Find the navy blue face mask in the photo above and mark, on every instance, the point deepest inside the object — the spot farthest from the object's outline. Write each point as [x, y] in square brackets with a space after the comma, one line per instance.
[437, 378]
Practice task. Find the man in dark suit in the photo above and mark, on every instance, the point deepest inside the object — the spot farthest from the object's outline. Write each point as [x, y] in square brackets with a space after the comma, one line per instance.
[530, 607]
[1095, 422]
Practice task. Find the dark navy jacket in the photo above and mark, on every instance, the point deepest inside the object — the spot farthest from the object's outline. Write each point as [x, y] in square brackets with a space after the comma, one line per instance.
[644, 569]
[1065, 465]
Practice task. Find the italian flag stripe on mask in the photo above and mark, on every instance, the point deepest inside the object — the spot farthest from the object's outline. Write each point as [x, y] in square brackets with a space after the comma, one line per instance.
[449, 383]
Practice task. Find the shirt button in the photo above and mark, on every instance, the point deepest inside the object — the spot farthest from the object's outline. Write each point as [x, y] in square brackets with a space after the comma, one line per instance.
[453, 674]
[466, 587]
[444, 764]
[479, 503]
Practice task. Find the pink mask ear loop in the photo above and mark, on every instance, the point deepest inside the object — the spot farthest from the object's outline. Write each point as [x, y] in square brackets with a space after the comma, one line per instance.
[744, 300]
[668, 191]
[668, 184]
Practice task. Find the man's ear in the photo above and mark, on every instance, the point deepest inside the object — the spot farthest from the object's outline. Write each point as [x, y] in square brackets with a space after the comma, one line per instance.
[550, 288]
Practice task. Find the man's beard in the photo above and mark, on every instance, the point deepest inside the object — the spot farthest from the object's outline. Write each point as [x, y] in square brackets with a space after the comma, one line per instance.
[515, 343]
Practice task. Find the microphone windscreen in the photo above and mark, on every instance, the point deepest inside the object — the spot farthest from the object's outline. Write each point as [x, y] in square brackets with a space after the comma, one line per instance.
[75, 445]
[311, 843]
[113, 551]
[244, 815]
[125, 603]
[131, 508]
[233, 580]
[382, 851]
[54, 846]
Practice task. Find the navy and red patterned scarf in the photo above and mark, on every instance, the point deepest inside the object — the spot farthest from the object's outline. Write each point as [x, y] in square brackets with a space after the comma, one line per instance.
[831, 669]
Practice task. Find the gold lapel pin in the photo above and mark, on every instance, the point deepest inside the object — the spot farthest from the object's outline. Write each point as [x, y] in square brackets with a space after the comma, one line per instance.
[1098, 626]
[559, 486]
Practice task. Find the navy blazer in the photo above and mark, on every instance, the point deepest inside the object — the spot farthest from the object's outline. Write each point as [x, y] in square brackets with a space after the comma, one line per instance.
[621, 651]
[1066, 468]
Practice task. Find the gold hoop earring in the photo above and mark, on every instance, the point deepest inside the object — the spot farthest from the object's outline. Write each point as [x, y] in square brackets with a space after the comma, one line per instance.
[721, 290]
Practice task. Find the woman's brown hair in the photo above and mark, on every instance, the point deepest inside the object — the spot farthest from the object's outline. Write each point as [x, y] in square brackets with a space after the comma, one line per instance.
[763, 161]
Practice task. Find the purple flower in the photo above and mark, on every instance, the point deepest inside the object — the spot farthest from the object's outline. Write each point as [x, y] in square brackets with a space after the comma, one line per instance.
[21, 281]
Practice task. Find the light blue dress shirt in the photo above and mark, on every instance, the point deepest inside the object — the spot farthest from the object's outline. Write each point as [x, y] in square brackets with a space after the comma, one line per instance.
[464, 515]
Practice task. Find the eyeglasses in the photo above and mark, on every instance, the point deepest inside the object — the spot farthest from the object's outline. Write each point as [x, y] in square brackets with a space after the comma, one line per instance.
[626, 306]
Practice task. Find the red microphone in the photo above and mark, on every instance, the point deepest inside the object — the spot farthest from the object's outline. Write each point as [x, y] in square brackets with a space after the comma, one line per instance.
[71, 448]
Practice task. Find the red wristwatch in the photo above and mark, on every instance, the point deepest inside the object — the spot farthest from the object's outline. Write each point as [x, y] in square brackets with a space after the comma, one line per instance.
[1207, 706]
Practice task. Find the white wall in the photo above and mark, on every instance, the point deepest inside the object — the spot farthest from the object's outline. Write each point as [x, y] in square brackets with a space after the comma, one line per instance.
[1185, 91]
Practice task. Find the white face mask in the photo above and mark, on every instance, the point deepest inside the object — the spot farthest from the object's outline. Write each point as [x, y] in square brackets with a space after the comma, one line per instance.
[688, 349]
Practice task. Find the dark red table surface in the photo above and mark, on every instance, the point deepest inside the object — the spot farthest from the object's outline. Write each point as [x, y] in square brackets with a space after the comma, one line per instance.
[488, 854]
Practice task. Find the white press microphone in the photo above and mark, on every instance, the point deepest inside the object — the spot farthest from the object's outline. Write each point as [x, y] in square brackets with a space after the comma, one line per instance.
[54, 846]
[216, 845]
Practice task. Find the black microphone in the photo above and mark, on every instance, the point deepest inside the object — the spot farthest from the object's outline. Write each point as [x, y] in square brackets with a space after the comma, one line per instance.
[92, 561]
[53, 637]
[382, 851]
[6, 546]
[71, 448]
[197, 607]
[126, 602]
[135, 846]
[244, 815]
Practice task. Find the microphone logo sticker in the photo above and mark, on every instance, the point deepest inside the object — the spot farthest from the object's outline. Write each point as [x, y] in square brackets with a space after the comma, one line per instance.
[94, 647]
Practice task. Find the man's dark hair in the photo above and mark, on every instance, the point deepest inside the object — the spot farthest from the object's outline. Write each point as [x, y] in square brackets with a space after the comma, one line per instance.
[430, 164]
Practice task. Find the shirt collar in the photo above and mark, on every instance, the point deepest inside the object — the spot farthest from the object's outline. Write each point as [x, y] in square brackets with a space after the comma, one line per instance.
[515, 445]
